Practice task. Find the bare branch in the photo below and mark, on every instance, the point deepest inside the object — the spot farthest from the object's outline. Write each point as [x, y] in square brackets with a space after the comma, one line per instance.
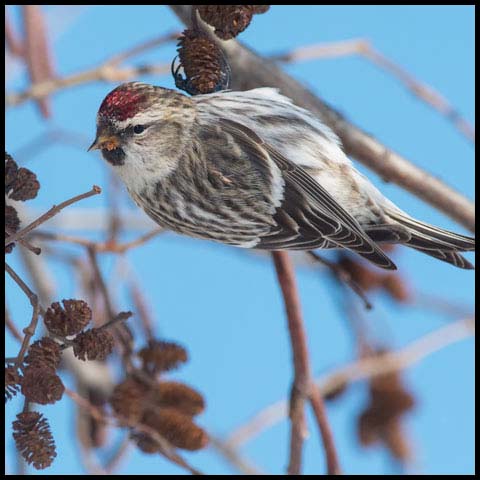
[37, 52]
[100, 247]
[109, 71]
[12, 42]
[342, 275]
[52, 212]
[302, 384]
[233, 457]
[29, 331]
[12, 328]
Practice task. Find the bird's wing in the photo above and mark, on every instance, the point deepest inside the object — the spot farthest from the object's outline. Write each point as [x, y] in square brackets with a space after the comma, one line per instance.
[309, 217]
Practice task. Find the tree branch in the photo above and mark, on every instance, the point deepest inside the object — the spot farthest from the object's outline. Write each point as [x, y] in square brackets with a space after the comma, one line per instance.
[303, 387]
[109, 71]
[52, 212]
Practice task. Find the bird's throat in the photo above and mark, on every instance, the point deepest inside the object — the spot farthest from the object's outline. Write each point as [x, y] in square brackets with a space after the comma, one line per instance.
[116, 156]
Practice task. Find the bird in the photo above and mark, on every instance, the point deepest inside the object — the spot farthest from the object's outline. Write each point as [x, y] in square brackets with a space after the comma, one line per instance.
[252, 169]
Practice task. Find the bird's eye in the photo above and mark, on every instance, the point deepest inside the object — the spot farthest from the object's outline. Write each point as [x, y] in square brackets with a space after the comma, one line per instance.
[138, 129]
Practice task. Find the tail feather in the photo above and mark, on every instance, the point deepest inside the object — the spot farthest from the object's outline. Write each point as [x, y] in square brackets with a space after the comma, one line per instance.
[434, 241]
[452, 240]
[449, 256]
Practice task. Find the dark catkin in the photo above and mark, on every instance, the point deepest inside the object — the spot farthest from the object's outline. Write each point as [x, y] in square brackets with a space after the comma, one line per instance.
[162, 356]
[337, 392]
[129, 399]
[202, 62]
[69, 320]
[177, 428]
[12, 225]
[380, 421]
[145, 442]
[13, 381]
[228, 20]
[41, 386]
[34, 440]
[396, 287]
[25, 186]
[44, 354]
[179, 396]
[366, 278]
[20, 183]
[256, 9]
[11, 170]
[93, 344]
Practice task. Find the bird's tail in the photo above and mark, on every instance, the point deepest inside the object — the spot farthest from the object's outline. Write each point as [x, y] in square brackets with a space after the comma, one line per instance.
[434, 241]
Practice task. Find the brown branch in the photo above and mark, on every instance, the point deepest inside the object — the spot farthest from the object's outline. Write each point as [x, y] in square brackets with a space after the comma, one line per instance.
[114, 461]
[37, 52]
[25, 243]
[344, 276]
[12, 42]
[233, 457]
[122, 331]
[109, 71]
[142, 310]
[303, 387]
[365, 49]
[319, 410]
[359, 370]
[52, 212]
[11, 327]
[28, 331]
[250, 70]
[101, 247]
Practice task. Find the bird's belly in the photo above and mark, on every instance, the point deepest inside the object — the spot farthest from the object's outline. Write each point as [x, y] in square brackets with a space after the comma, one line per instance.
[215, 221]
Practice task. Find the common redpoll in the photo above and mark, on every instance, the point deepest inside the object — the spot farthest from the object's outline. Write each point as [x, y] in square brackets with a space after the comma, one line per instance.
[253, 170]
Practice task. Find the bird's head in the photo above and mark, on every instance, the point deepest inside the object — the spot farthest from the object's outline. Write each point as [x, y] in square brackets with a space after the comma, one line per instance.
[142, 126]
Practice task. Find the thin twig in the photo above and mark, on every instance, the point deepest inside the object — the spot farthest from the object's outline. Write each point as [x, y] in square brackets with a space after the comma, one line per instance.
[101, 247]
[233, 457]
[359, 370]
[28, 292]
[344, 276]
[12, 42]
[52, 212]
[121, 330]
[28, 331]
[320, 412]
[120, 453]
[302, 384]
[11, 327]
[142, 310]
[25, 243]
[36, 51]
[121, 317]
[299, 390]
[109, 71]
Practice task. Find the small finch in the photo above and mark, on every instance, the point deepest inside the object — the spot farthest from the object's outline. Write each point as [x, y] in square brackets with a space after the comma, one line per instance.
[253, 170]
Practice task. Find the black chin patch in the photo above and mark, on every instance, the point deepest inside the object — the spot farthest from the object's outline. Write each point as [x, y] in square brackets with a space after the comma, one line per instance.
[115, 157]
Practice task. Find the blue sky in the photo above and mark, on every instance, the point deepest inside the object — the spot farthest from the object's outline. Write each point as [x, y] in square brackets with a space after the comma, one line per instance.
[223, 303]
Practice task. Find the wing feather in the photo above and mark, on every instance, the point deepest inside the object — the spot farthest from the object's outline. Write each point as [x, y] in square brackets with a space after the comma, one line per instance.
[320, 218]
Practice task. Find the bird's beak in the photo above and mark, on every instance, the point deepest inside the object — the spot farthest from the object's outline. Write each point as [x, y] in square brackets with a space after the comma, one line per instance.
[107, 142]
